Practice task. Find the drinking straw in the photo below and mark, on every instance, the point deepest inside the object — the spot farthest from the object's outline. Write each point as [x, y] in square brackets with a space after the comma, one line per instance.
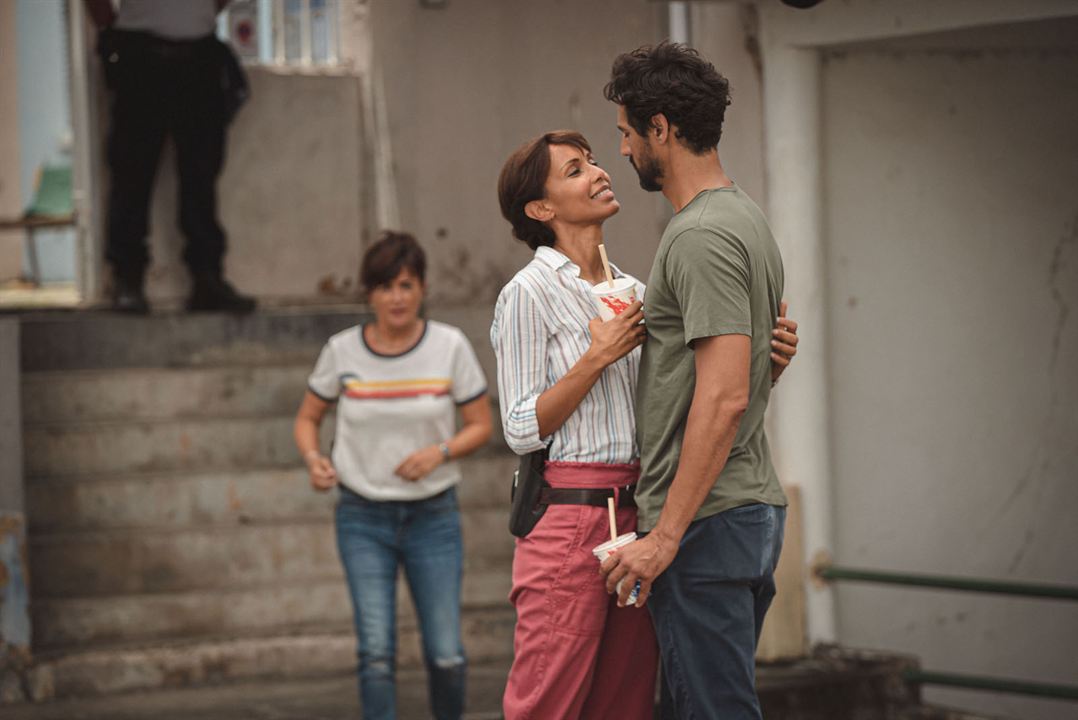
[613, 517]
[606, 265]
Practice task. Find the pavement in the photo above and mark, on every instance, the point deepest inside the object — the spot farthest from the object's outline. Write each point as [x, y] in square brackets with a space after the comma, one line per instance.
[330, 698]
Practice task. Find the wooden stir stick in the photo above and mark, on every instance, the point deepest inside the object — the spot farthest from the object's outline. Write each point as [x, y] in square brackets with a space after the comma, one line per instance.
[606, 265]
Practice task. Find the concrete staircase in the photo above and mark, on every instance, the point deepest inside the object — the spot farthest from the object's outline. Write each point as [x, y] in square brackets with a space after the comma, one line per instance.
[173, 537]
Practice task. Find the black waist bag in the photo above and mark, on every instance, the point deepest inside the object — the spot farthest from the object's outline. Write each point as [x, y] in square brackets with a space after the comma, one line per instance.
[528, 484]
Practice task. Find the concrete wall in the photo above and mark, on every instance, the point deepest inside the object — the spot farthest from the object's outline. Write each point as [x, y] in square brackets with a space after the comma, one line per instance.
[11, 491]
[466, 85]
[14, 583]
[726, 34]
[952, 228]
[290, 195]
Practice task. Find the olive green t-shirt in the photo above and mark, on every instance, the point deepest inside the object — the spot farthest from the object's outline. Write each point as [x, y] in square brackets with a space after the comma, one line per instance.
[717, 272]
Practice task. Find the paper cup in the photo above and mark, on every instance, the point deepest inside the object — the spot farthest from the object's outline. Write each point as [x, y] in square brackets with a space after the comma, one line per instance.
[611, 301]
[602, 552]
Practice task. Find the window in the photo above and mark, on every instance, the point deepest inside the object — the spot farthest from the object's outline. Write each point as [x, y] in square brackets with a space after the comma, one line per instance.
[290, 33]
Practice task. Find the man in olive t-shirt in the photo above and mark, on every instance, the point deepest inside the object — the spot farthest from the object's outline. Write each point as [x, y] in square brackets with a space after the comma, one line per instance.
[717, 272]
[709, 500]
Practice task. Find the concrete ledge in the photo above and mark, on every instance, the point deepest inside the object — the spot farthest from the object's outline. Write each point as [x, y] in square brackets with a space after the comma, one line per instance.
[272, 608]
[137, 561]
[488, 638]
[837, 682]
[165, 501]
[87, 340]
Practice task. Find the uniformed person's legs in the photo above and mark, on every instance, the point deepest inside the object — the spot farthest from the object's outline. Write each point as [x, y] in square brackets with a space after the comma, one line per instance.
[136, 134]
[199, 129]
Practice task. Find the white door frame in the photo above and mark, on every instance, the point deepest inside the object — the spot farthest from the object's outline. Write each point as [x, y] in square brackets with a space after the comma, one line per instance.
[791, 44]
[86, 156]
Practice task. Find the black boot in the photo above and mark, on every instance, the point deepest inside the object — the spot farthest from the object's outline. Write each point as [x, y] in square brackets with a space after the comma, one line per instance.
[210, 293]
[127, 293]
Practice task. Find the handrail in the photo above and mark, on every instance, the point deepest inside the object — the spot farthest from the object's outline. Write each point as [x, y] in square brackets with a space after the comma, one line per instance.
[824, 571]
[827, 572]
[981, 682]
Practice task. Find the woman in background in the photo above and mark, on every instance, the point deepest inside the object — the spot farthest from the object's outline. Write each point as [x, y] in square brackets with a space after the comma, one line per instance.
[398, 382]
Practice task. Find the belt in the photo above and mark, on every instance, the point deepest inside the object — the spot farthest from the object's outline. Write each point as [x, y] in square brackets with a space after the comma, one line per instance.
[163, 48]
[587, 496]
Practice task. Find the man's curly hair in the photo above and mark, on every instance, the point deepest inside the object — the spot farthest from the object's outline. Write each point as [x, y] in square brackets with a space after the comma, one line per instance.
[671, 79]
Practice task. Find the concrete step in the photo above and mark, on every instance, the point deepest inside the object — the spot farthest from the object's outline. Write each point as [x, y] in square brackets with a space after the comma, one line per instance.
[487, 639]
[128, 395]
[177, 500]
[181, 445]
[316, 698]
[273, 608]
[82, 396]
[88, 340]
[119, 562]
[163, 446]
[326, 698]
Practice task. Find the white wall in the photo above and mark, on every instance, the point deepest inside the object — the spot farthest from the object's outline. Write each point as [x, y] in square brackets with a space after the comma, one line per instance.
[466, 85]
[725, 33]
[952, 226]
[290, 195]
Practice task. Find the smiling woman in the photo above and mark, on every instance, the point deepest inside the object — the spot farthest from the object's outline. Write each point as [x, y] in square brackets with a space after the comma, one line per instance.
[566, 383]
[398, 382]
[547, 171]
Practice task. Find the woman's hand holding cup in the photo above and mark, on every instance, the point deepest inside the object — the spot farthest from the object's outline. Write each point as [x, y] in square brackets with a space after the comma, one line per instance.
[615, 338]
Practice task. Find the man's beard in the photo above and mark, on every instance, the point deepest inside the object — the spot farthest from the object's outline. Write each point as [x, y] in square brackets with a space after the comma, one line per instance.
[649, 173]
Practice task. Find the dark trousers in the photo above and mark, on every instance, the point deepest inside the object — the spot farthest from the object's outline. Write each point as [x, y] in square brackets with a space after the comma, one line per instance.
[164, 88]
[709, 607]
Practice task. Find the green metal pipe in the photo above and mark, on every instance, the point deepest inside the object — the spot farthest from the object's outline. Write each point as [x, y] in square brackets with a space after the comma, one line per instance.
[1022, 589]
[979, 682]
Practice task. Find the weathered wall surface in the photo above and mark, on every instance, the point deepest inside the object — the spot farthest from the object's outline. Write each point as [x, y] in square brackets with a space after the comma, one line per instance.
[952, 222]
[466, 85]
[726, 34]
[11, 495]
[290, 195]
[14, 582]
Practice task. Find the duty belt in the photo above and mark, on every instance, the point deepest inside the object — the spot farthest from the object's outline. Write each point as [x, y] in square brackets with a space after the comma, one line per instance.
[588, 496]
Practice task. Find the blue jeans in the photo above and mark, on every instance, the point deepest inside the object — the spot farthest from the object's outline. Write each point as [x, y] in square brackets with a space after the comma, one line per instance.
[375, 539]
[709, 608]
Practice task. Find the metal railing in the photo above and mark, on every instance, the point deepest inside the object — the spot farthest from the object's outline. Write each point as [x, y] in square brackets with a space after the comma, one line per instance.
[824, 571]
[830, 572]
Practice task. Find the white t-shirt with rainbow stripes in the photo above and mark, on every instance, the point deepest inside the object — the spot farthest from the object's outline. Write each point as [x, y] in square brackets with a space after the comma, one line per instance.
[389, 406]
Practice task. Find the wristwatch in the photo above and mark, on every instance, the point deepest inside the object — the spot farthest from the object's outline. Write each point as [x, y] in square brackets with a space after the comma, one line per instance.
[444, 448]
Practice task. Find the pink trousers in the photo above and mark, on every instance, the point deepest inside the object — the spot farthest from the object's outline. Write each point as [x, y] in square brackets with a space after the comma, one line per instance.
[576, 654]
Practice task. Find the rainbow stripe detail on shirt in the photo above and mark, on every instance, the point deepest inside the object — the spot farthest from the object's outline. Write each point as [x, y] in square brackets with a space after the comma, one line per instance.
[395, 389]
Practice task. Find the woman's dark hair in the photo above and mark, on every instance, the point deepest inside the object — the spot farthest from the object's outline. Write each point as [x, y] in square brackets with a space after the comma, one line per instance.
[523, 179]
[674, 80]
[383, 261]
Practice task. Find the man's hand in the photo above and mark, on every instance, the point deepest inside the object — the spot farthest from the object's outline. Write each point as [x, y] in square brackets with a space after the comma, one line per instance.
[643, 561]
[420, 463]
[783, 343]
[320, 468]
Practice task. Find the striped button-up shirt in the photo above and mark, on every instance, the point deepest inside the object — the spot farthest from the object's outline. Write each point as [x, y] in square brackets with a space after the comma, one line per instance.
[540, 331]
